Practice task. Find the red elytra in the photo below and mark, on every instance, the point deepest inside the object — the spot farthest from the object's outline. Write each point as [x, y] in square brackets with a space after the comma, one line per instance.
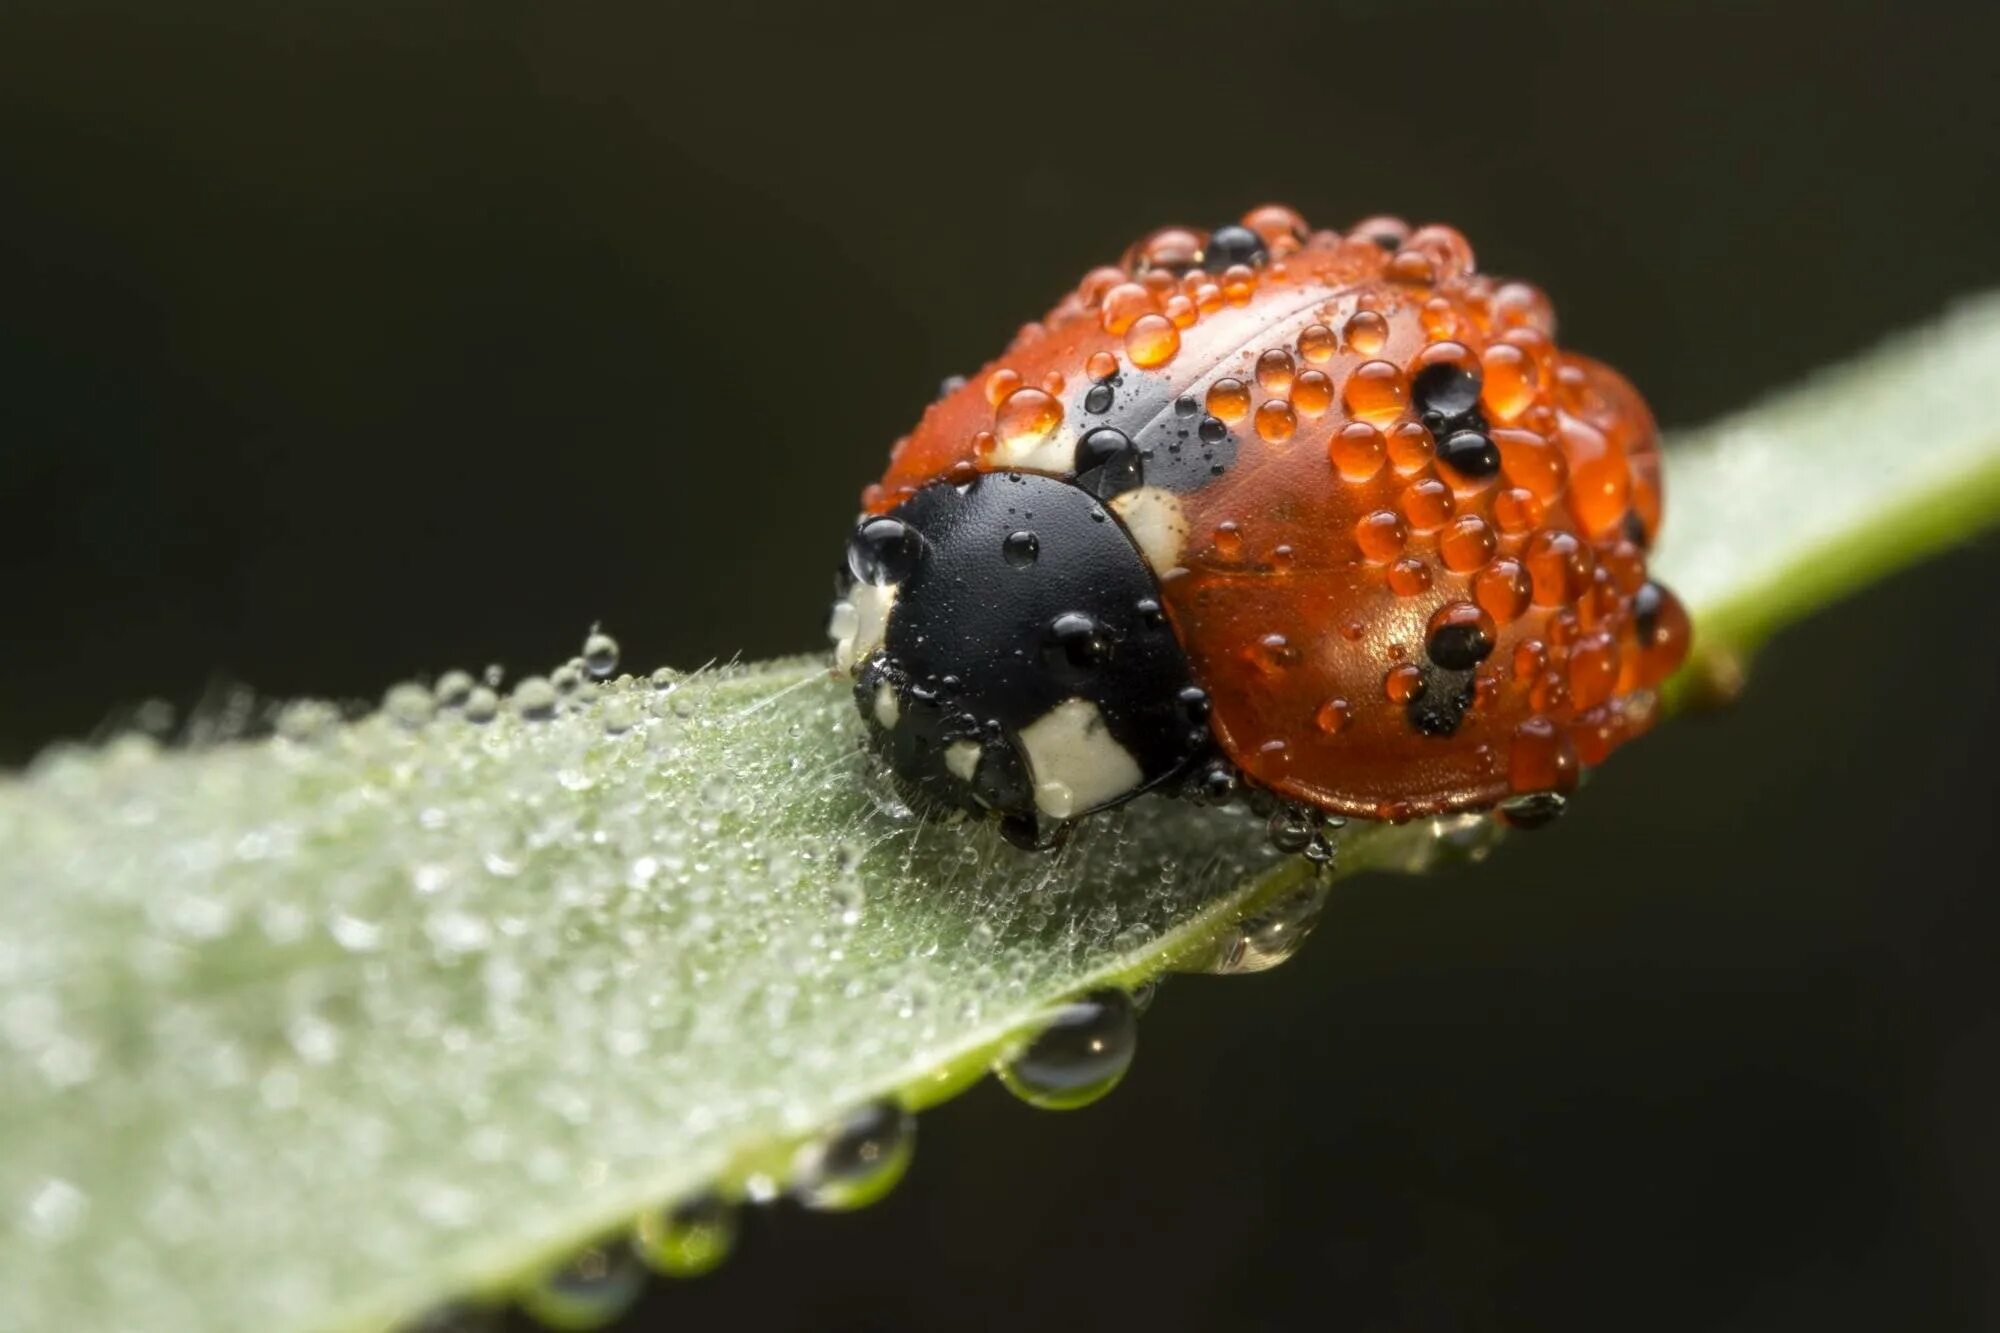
[1441, 514]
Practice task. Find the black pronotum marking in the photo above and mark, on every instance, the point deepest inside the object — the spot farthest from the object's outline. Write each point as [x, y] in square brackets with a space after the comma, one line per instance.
[981, 643]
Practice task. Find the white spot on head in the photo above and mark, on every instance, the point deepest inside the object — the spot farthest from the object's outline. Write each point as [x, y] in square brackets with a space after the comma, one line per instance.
[858, 623]
[1075, 762]
[962, 758]
[1159, 529]
[887, 710]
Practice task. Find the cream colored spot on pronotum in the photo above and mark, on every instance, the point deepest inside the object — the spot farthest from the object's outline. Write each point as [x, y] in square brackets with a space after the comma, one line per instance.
[1076, 764]
[1053, 453]
[962, 758]
[887, 710]
[858, 623]
[1159, 529]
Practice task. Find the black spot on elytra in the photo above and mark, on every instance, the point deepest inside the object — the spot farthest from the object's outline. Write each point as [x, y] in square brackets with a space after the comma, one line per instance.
[1441, 705]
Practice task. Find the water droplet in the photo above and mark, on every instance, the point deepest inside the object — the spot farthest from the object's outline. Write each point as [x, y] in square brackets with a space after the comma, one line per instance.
[1263, 941]
[454, 688]
[1290, 829]
[1152, 341]
[1376, 392]
[534, 697]
[600, 654]
[1021, 548]
[304, 721]
[1460, 636]
[688, 1239]
[1367, 333]
[408, 704]
[482, 705]
[1409, 577]
[1123, 305]
[883, 551]
[1512, 380]
[1274, 371]
[1470, 453]
[1229, 399]
[1541, 759]
[1403, 684]
[1380, 535]
[1232, 246]
[1466, 544]
[619, 717]
[1073, 646]
[1502, 590]
[591, 1291]
[1317, 344]
[1446, 380]
[1427, 504]
[1356, 451]
[1534, 810]
[1027, 417]
[858, 1161]
[1312, 392]
[1079, 1057]
[565, 679]
[1276, 421]
[1410, 448]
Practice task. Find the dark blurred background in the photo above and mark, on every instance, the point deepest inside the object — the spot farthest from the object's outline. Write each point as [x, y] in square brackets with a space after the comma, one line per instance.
[345, 342]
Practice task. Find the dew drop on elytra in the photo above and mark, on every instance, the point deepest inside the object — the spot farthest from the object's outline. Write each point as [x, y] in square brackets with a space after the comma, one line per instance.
[857, 1161]
[566, 678]
[1079, 1057]
[1263, 941]
[688, 1239]
[590, 1291]
[600, 654]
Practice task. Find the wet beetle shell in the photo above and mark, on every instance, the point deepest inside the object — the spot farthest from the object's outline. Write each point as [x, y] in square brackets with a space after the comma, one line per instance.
[1334, 510]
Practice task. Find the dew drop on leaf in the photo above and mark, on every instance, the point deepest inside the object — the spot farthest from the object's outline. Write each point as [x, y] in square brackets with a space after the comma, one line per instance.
[688, 1239]
[858, 1160]
[1079, 1056]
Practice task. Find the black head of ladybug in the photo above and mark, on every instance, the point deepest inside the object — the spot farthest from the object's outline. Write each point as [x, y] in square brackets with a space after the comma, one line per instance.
[1008, 651]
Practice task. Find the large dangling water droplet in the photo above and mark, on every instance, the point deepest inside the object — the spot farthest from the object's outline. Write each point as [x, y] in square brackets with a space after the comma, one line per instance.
[1079, 1057]
[857, 1161]
[688, 1239]
[1261, 942]
[592, 1290]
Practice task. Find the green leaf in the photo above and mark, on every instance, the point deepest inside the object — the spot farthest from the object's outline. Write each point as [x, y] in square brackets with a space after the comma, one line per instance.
[316, 1031]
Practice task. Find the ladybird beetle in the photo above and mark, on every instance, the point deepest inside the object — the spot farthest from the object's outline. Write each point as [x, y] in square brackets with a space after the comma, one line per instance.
[1327, 517]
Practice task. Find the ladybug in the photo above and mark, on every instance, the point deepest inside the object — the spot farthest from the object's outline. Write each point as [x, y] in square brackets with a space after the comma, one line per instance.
[1327, 518]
